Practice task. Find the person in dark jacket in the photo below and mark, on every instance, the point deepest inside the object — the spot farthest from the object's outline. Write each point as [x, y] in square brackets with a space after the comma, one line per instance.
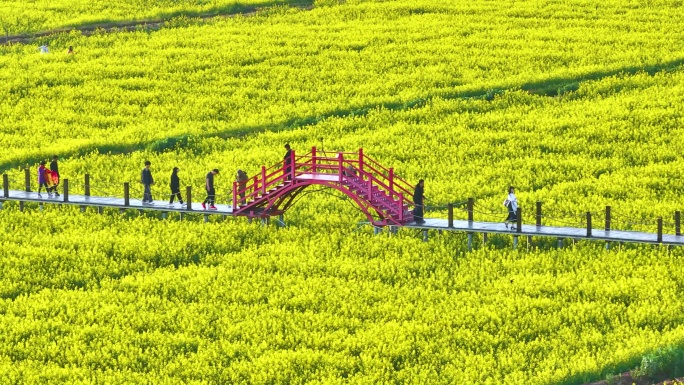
[419, 201]
[242, 185]
[175, 187]
[54, 167]
[211, 191]
[147, 180]
[287, 162]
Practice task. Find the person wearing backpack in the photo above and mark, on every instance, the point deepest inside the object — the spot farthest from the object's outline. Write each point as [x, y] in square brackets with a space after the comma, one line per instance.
[242, 185]
[511, 203]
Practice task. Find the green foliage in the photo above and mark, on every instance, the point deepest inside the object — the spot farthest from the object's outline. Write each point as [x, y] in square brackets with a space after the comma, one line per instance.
[665, 362]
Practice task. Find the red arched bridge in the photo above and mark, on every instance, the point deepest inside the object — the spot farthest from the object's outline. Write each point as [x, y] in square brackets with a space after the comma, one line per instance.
[383, 197]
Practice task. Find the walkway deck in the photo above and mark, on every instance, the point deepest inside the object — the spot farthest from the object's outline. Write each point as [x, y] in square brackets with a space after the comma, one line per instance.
[430, 223]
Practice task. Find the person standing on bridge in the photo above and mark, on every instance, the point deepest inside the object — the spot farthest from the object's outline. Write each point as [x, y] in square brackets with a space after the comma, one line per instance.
[511, 203]
[211, 191]
[54, 167]
[147, 180]
[419, 201]
[175, 187]
[242, 185]
[287, 162]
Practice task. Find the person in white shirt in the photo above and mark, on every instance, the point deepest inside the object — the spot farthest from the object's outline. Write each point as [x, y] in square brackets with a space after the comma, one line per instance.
[512, 204]
[43, 48]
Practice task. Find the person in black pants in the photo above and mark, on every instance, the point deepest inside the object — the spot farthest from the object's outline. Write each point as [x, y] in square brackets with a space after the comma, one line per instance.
[211, 192]
[287, 162]
[175, 187]
[418, 200]
[147, 180]
[54, 167]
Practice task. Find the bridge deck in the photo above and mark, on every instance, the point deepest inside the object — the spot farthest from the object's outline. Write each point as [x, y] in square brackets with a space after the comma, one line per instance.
[430, 223]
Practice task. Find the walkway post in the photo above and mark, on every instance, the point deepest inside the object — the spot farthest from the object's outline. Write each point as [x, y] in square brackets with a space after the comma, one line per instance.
[313, 159]
[451, 214]
[660, 230]
[87, 185]
[188, 197]
[65, 190]
[5, 185]
[608, 218]
[27, 177]
[471, 201]
[677, 223]
[127, 200]
[340, 167]
[588, 224]
[539, 213]
[519, 220]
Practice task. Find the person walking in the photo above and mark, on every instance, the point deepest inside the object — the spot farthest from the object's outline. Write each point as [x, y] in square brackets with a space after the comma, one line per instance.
[511, 204]
[175, 187]
[42, 179]
[419, 201]
[242, 185]
[54, 167]
[287, 162]
[211, 191]
[147, 180]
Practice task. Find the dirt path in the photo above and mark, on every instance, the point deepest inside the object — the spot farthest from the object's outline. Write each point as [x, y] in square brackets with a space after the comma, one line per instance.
[151, 24]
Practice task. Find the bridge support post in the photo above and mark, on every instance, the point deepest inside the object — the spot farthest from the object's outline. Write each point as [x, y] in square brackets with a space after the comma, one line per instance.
[188, 197]
[5, 185]
[40, 205]
[65, 190]
[425, 235]
[86, 185]
[660, 230]
[164, 214]
[539, 214]
[377, 230]
[607, 245]
[21, 206]
[27, 178]
[471, 202]
[529, 242]
[450, 207]
[206, 218]
[485, 239]
[588, 224]
[127, 190]
[281, 220]
[678, 231]
[515, 242]
[608, 218]
[100, 210]
[560, 243]
[470, 241]
[182, 215]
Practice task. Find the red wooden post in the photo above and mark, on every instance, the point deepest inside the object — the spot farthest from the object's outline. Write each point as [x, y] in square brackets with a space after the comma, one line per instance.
[293, 166]
[391, 180]
[340, 166]
[263, 180]
[313, 158]
[235, 193]
[401, 207]
[361, 159]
